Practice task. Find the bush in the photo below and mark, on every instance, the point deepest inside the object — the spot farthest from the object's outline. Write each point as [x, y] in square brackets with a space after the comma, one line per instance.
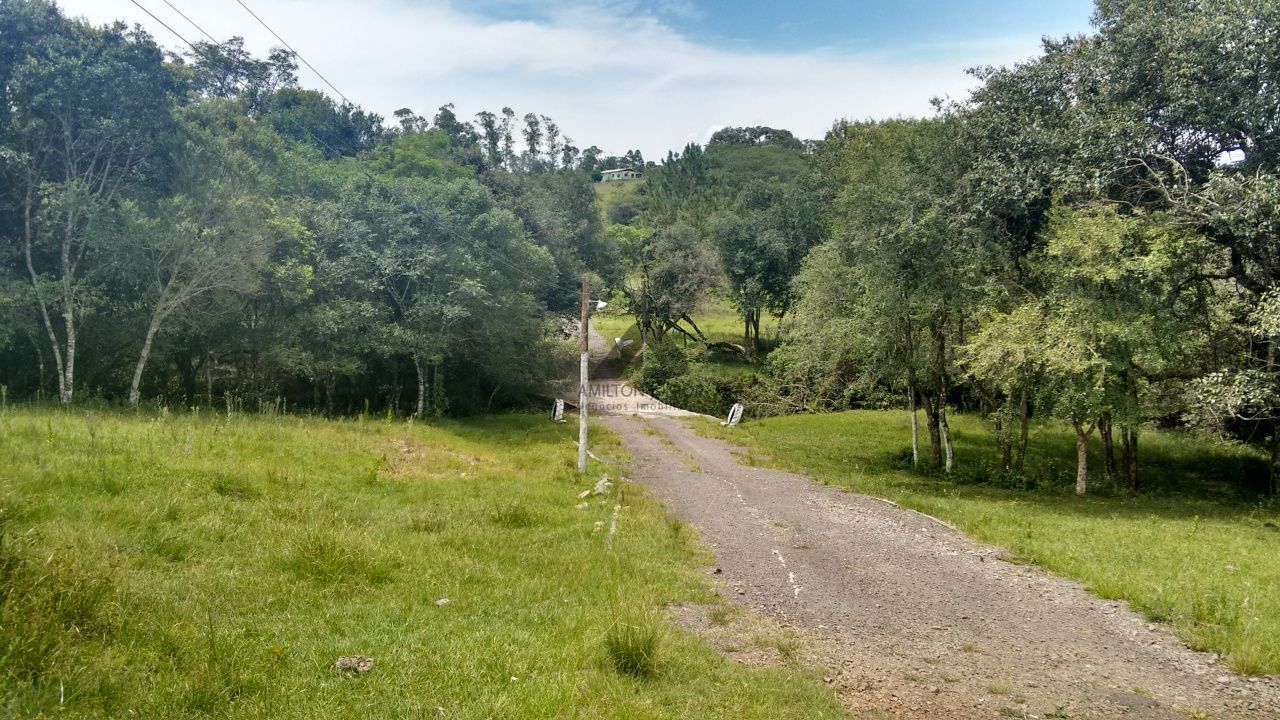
[659, 364]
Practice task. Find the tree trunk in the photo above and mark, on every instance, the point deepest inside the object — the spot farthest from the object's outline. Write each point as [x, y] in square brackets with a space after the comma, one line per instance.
[28, 242]
[915, 427]
[1129, 441]
[1108, 445]
[1082, 456]
[152, 329]
[946, 433]
[1006, 445]
[68, 314]
[1275, 460]
[437, 388]
[208, 378]
[644, 309]
[935, 436]
[422, 387]
[1024, 421]
[39, 367]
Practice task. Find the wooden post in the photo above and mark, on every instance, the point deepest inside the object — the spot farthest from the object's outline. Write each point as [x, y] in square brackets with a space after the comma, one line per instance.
[582, 378]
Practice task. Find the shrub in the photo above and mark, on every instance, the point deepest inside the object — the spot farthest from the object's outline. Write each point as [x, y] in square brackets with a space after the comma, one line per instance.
[659, 364]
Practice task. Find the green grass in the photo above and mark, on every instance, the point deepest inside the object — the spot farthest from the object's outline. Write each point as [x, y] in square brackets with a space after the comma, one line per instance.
[1207, 566]
[184, 566]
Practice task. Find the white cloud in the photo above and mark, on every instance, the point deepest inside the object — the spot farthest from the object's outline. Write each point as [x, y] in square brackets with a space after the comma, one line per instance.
[607, 75]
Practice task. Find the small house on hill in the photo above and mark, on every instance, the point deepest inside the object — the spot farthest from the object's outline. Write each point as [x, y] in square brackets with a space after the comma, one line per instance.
[618, 174]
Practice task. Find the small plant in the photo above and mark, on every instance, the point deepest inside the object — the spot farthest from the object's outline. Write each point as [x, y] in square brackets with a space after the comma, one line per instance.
[428, 521]
[235, 488]
[514, 516]
[632, 647]
[721, 615]
[319, 555]
[999, 688]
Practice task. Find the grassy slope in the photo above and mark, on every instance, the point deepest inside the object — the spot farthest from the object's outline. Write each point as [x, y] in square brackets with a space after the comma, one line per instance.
[1208, 567]
[186, 566]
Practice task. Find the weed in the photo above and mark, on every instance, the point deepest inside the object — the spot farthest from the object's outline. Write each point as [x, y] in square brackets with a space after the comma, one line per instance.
[428, 521]
[632, 646]
[514, 515]
[722, 615]
[235, 488]
[318, 554]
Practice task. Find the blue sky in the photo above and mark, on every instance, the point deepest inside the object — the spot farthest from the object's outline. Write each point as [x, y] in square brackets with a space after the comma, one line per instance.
[648, 74]
[861, 25]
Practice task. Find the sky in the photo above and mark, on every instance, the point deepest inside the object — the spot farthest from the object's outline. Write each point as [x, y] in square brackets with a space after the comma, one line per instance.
[622, 74]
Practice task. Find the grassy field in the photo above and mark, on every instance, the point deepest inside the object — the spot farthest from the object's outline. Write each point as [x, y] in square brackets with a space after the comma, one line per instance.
[197, 566]
[1209, 567]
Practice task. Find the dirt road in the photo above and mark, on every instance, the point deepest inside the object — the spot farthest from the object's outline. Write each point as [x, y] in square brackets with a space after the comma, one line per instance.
[913, 618]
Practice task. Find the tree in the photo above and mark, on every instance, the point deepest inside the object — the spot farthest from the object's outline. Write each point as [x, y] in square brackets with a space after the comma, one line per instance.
[227, 70]
[1167, 109]
[755, 136]
[213, 235]
[89, 119]
[907, 262]
[762, 240]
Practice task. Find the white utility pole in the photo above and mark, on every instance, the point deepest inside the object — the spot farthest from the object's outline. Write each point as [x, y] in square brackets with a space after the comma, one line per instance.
[582, 379]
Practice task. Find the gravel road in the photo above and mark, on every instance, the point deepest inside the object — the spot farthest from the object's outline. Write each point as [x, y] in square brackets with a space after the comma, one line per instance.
[914, 619]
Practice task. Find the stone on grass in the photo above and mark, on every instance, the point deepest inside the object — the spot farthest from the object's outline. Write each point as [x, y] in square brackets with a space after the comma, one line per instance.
[354, 664]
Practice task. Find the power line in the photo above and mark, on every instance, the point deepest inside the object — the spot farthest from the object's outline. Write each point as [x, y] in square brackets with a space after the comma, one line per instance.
[295, 52]
[189, 20]
[164, 24]
[493, 254]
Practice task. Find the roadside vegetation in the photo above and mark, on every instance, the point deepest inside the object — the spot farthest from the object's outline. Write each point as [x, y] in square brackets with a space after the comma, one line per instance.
[1198, 551]
[198, 565]
[1089, 237]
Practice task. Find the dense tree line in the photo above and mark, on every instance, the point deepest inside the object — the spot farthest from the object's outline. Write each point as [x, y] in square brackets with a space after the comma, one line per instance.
[1092, 236]
[200, 229]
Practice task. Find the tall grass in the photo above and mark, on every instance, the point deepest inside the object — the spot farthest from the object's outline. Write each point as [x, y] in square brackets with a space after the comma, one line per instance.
[188, 566]
[1198, 550]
